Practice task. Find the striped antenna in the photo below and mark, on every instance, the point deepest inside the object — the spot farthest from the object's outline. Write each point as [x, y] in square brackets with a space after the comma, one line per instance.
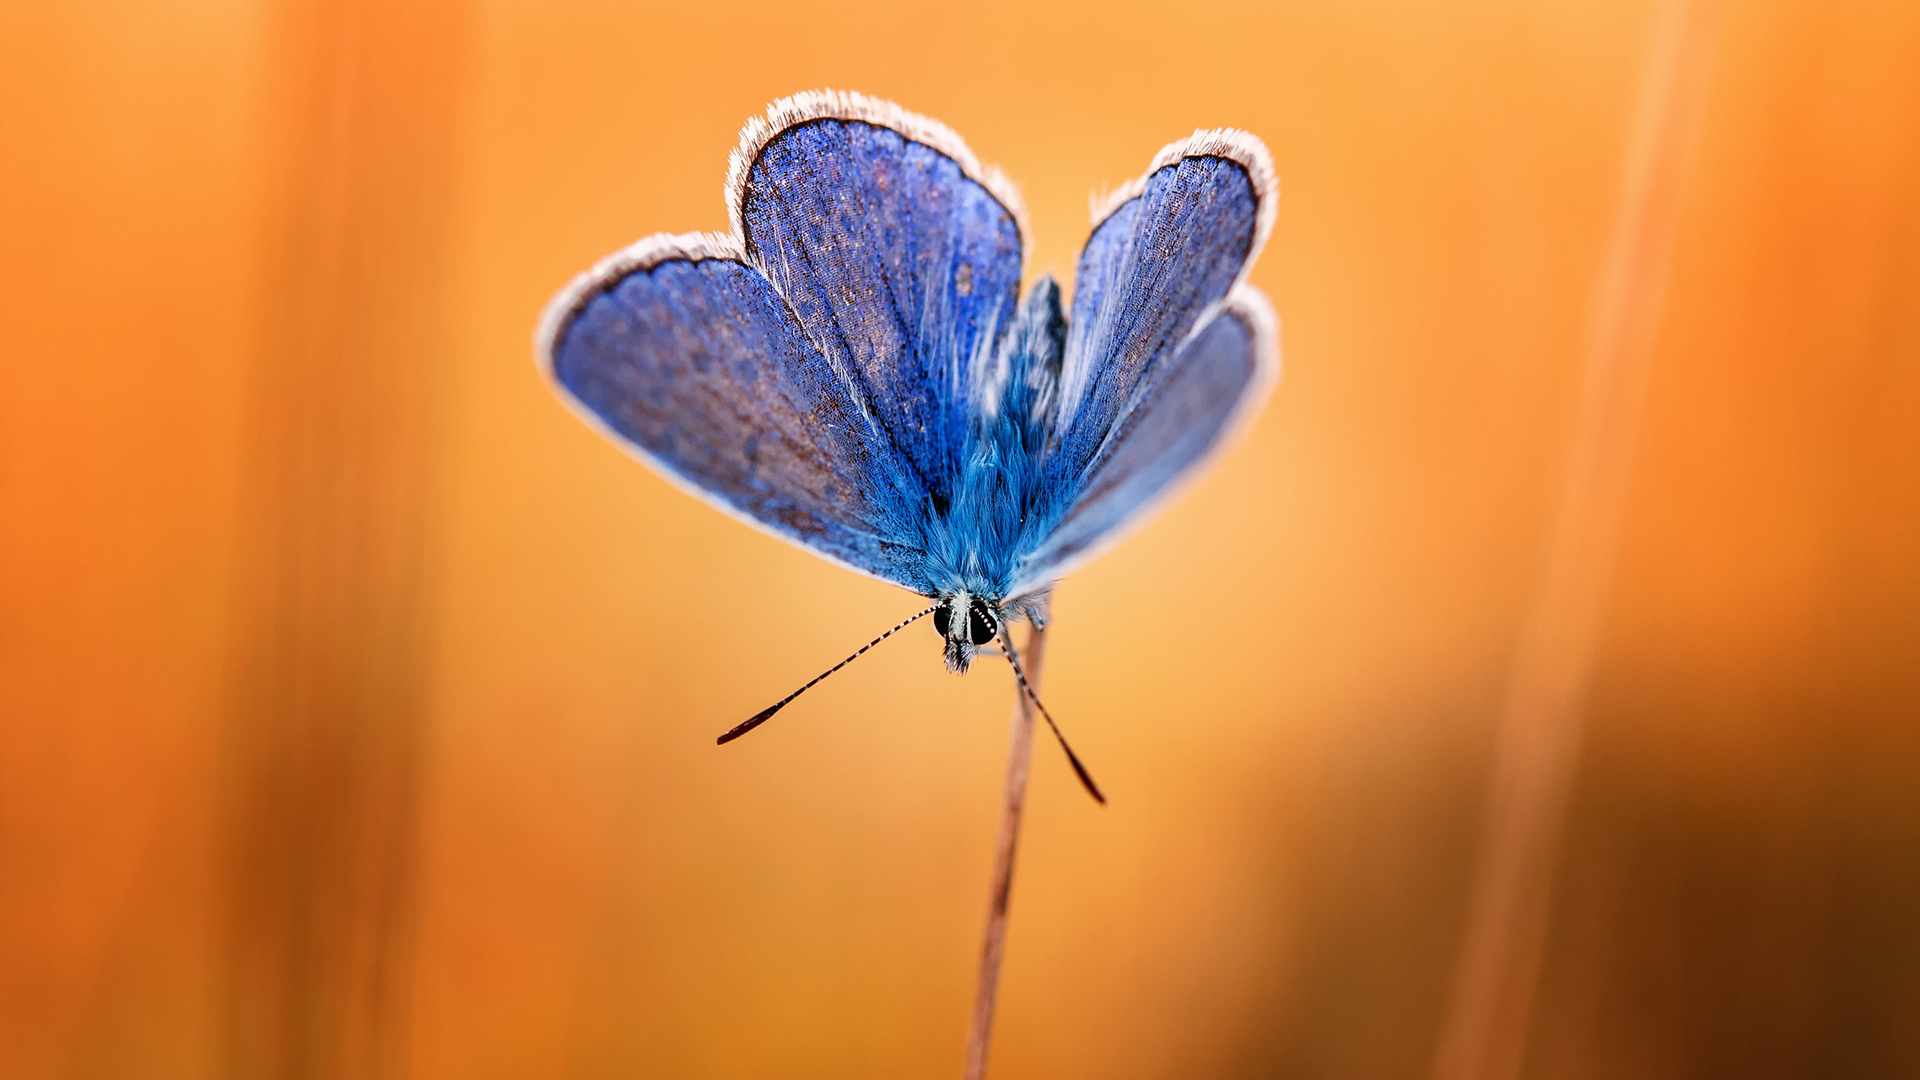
[766, 714]
[1073, 759]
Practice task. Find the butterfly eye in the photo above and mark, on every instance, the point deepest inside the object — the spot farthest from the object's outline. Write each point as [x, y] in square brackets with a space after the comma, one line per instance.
[980, 624]
[941, 620]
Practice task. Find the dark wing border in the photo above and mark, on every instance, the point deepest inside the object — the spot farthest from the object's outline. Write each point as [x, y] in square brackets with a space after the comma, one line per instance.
[1233, 144]
[811, 105]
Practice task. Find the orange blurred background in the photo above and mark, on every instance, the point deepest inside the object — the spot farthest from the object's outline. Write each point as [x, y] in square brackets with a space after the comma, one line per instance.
[358, 702]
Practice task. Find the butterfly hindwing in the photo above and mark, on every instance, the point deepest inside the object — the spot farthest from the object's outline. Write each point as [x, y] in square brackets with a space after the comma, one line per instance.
[896, 256]
[685, 354]
[1207, 388]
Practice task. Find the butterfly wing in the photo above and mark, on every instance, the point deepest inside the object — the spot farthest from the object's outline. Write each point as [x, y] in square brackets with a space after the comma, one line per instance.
[684, 354]
[1212, 385]
[1166, 346]
[898, 254]
[816, 373]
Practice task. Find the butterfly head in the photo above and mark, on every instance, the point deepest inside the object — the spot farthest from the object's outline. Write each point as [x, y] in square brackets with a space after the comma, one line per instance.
[966, 622]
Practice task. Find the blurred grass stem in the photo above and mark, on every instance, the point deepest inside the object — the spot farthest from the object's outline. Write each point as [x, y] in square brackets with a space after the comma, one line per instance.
[1537, 737]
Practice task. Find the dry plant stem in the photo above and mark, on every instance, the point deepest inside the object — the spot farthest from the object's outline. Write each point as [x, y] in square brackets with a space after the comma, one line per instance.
[1537, 738]
[1019, 757]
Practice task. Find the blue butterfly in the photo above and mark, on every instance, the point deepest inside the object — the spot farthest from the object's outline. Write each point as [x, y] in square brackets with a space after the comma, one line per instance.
[852, 368]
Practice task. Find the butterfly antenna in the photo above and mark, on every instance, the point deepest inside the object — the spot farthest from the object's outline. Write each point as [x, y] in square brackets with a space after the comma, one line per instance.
[1020, 673]
[766, 714]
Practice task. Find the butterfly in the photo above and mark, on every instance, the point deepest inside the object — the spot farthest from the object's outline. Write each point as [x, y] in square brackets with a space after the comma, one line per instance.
[853, 368]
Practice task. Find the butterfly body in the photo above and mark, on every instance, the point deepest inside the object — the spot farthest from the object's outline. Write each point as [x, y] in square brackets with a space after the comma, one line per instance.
[854, 368]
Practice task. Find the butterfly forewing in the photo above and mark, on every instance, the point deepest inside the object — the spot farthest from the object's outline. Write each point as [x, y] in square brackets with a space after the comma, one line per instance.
[698, 366]
[1150, 270]
[899, 265]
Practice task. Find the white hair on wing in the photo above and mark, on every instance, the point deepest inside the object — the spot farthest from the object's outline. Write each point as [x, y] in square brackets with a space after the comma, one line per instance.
[1102, 202]
[848, 105]
[1253, 308]
[1241, 147]
[642, 254]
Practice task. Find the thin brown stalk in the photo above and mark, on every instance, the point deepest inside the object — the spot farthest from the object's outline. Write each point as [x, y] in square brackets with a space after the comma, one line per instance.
[994, 947]
[1537, 739]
